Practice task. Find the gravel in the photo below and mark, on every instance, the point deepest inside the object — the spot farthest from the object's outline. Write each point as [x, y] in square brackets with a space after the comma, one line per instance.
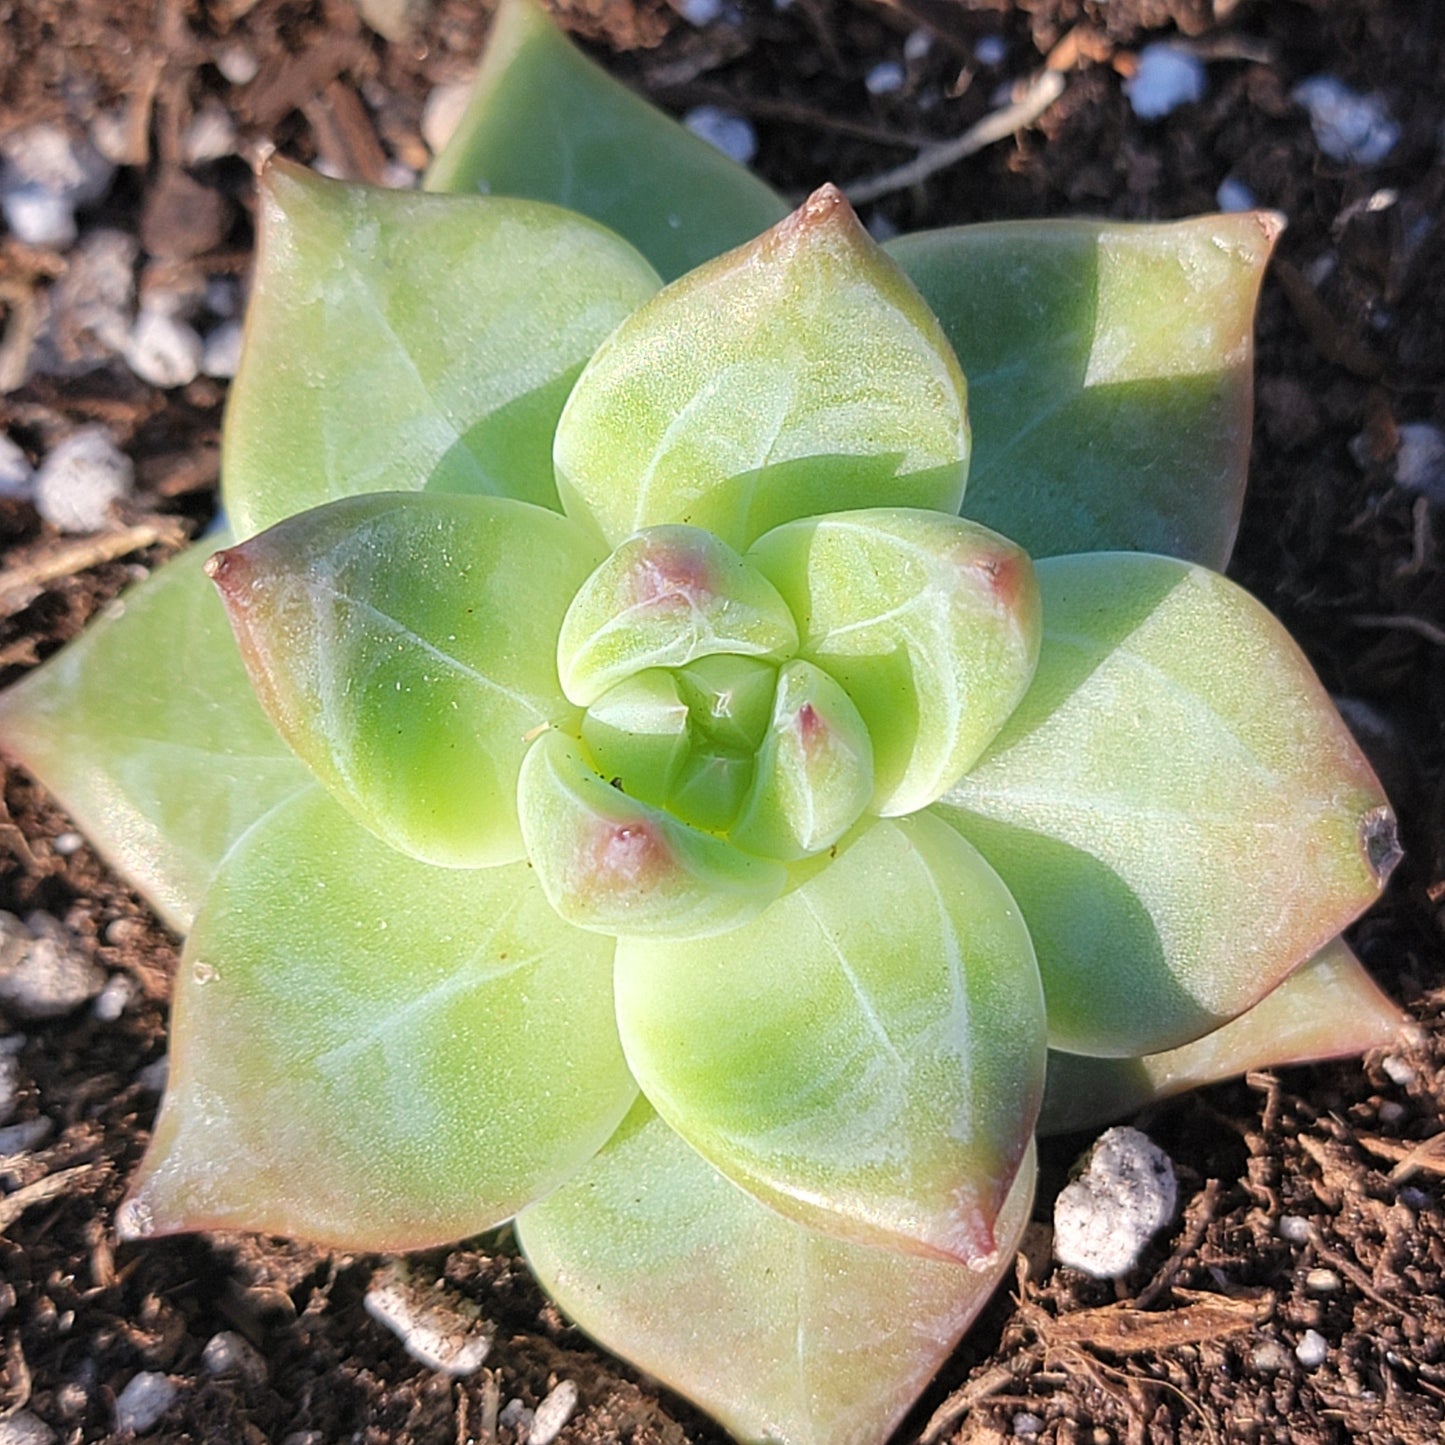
[1167, 78]
[553, 1413]
[81, 479]
[42, 974]
[439, 1330]
[1347, 126]
[45, 175]
[145, 1399]
[1127, 1193]
[730, 132]
[164, 350]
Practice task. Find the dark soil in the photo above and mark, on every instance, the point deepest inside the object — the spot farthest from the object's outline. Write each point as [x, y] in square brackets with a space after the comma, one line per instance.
[1351, 347]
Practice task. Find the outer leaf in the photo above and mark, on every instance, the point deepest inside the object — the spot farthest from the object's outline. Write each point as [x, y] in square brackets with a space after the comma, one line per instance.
[780, 1333]
[1176, 805]
[1110, 368]
[613, 864]
[930, 623]
[147, 731]
[798, 374]
[397, 341]
[403, 645]
[355, 1047]
[546, 122]
[867, 1056]
[1330, 1008]
[664, 598]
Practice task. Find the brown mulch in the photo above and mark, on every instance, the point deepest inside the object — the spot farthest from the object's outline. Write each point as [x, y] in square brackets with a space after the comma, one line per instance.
[1198, 1344]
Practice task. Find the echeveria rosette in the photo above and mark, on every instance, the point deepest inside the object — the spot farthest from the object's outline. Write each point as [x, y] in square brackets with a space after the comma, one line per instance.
[734, 765]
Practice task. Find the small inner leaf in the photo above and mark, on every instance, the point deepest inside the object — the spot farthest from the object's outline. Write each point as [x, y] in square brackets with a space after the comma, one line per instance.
[611, 863]
[867, 1055]
[798, 374]
[931, 624]
[403, 645]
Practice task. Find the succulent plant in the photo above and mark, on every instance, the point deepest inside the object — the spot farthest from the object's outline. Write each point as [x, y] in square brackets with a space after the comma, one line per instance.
[642, 806]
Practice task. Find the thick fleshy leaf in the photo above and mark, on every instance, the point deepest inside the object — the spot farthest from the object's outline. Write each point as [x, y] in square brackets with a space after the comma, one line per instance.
[397, 341]
[147, 731]
[801, 373]
[613, 864]
[546, 122]
[814, 772]
[1110, 374]
[666, 597]
[403, 645]
[776, 1331]
[355, 1046]
[867, 1056]
[1176, 805]
[930, 623]
[1329, 1008]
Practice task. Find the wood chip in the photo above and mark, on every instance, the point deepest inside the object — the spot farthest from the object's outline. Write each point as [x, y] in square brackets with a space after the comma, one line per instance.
[52, 1186]
[345, 135]
[24, 580]
[1123, 1330]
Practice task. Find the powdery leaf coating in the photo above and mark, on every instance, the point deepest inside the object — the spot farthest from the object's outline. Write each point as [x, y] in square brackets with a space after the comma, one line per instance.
[546, 122]
[1093, 350]
[355, 1041]
[1329, 1008]
[797, 374]
[876, 1076]
[1176, 805]
[930, 623]
[146, 729]
[403, 645]
[663, 598]
[398, 341]
[612, 864]
[809, 1339]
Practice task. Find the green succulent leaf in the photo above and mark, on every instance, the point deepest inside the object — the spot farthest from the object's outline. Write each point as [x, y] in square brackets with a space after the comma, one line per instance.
[404, 645]
[930, 623]
[398, 341]
[146, 729]
[809, 1340]
[546, 122]
[801, 373]
[1329, 1008]
[355, 1046]
[612, 863]
[1110, 371]
[666, 597]
[1176, 805]
[867, 1055]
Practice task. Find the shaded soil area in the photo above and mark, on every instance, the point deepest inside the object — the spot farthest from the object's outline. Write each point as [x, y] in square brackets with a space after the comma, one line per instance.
[1342, 538]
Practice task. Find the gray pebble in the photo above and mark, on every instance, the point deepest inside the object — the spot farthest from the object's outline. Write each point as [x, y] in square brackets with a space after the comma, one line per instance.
[45, 175]
[1294, 1227]
[23, 1428]
[91, 304]
[1105, 1217]
[730, 132]
[222, 354]
[1271, 1357]
[1347, 126]
[1322, 1281]
[1398, 1071]
[81, 480]
[154, 1077]
[228, 1353]
[211, 135]
[1168, 77]
[1420, 459]
[437, 1329]
[553, 1413]
[885, 78]
[442, 113]
[113, 1000]
[991, 50]
[68, 843]
[9, 1087]
[43, 975]
[1311, 1350]
[238, 64]
[22, 1138]
[699, 12]
[145, 1399]
[1026, 1424]
[17, 476]
[515, 1415]
[163, 350]
[1234, 195]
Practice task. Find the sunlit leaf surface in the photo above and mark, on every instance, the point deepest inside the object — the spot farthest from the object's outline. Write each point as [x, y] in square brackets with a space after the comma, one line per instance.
[545, 122]
[398, 341]
[867, 1056]
[357, 1042]
[805, 1340]
[1110, 375]
[1176, 805]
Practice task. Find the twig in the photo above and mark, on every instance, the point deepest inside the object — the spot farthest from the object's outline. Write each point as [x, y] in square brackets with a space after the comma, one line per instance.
[1042, 92]
[1198, 1219]
[1403, 622]
[52, 1186]
[19, 584]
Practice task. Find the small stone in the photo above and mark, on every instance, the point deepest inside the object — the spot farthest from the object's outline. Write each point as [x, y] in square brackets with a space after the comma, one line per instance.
[111, 135]
[228, 1353]
[1234, 195]
[516, 1416]
[1347, 126]
[69, 843]
[1168, 77]
[9, 1087]
[1311, 1350]
[154, 1077]
[1398, 1071]
[916, 46]
[1322, 1281]
[1420, 459]
[1106, 1216]
[237, 64]
[22, 1138]
[81, 480]
[1295, 1228]
[38, 218]
[553, 1413]
[1391, 1112]
[45, 175]
[394, 20]
[438, 1330]
[1271, 1357]
[886, 78]
[145, 1399]
[23, 1428]
[990, 50]
[221, 356]
[112, 1001]
[1026, 1424]
[91, 303]
[164, 351]
[45, 976]
[443, 112]
[730, 132]
[211, 135]
[699, 12]
[17, 476]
